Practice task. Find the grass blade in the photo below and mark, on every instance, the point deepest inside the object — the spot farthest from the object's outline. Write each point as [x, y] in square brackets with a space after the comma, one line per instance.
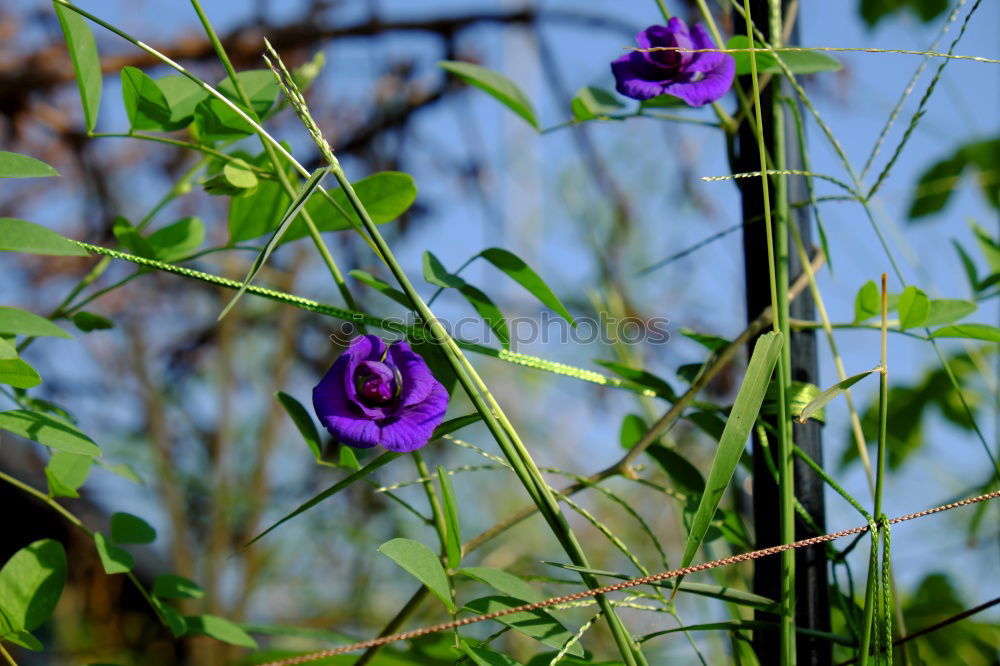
[827, 396]
[300, 200]
[734, 437]
[386, 457]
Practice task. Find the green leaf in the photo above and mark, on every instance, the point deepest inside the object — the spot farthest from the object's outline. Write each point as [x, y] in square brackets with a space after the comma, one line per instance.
[590, 102]
[386, 195]
[239, 174]
[145, 104]
[259, 85]
[523, 274]
[936, 185]
[66, 472]
[130, 237]
[171, 586]
[15, 165]
[914, 306]
[489, 312]
[867, 303]
[178, 240]
[220, 629]
[88, 321]
[115, 560]
[798, 62]
[685, 476]
[49, 431]
[31, 583]
[86, 61]
[827, 396]
[123, 470]
[293, 210]
[347, 459]
[632, 430]
[14, 371]
[182, 95]
[972, 331]
[420, 562]
[987, 244]
[641, 378]
[436, 274]
[722, 592]
[386, 457]
[495, 84]
[537, 624]
[22, 638]
[174, 620]
[734, 438]
[948, 310]
[215, 121]
[303, 421]
[484, 656]
[382, 287]
[453, 529]
[711, 342]
[872, 11]
[126, 528]
[20, 236]
[451, 425]
[14, 321]
[970, 267]
[505, 583]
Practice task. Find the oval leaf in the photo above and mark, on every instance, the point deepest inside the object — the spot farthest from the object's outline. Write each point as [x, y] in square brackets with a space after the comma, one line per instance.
[86, 61]
[145, 104]
[15, 165]
[66, 472]
[867, 303]
[972, 331]
[20, 236]
[15, 321]
[31, 583]
[178, 240]
[171, 586]
[914, 306]
[13, 370]
[496, 85]
[420, 562]
[948, 311]
[48, 430]
[115, 560]
[126, 528]
[220, 629]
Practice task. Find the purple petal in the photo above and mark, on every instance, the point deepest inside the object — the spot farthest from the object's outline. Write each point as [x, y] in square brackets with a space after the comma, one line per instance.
[713, 86]
[412, 428]
[704, 62]
[337, 413]
[637, 78]
[417, 378]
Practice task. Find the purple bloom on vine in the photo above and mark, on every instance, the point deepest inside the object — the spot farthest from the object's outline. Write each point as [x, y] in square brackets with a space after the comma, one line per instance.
[380, 394]
[696, 78]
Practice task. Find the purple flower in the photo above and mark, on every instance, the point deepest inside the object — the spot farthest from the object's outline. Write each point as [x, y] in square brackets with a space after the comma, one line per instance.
[379, 394]
[697, 78]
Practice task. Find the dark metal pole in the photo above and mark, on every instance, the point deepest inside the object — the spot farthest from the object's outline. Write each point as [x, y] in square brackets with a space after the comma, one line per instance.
[812, 602]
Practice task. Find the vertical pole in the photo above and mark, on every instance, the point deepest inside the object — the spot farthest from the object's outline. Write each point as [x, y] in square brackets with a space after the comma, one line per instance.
[812, 603]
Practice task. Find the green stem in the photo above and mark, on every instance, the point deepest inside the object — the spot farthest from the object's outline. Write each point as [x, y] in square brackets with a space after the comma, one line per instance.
[663, 9]
[6, 655]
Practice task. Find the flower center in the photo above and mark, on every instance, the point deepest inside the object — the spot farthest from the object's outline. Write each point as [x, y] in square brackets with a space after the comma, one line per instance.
[377, 383]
